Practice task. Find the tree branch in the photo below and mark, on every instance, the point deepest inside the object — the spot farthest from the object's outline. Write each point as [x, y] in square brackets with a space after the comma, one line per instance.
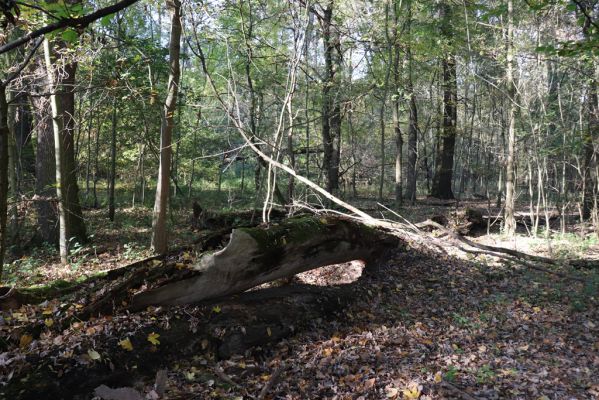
[79, 22]
[16, 73]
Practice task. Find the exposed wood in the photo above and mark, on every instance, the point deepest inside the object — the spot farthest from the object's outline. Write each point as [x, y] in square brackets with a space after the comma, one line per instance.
[263, 254]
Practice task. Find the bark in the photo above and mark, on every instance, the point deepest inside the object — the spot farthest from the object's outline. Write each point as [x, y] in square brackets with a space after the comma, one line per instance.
[45, 172]
[112, 165]
[4, 133]
[592, 110]
[13, 175]
[76, 224]
[412, 124]
[509, 226]
[442, 179]
[331, 109]
[258, 255]
[159, 229]
[390, 64]
[58, 128]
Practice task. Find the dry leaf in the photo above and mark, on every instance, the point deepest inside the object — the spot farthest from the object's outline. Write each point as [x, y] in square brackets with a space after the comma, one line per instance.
[153, 338]
[369, 383]
[126, 344]
[25, 340]
[391, 392]
[94, 355]
[412, 391]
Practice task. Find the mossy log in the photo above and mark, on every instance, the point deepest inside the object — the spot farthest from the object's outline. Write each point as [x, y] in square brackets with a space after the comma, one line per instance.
[263, 254]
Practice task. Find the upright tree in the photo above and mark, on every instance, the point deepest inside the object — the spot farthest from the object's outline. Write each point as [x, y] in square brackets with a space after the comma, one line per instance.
[510, 173]
[159, 217]
[331, 104]
[442, 179]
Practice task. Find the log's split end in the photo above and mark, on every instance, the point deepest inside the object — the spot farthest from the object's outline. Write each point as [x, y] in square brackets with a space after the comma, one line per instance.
[259, 255]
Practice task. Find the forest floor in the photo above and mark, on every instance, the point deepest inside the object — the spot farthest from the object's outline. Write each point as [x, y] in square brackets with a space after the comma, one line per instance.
[423, 326]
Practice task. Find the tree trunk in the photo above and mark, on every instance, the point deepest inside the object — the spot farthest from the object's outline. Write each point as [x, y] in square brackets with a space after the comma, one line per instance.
[4, 133]
[258, 255]
[112, 164]
[74, 216]
[45, 172]
[413, 122]
[509, 226]
[58, 129]
[442, 180]
[13, 175]
[159, 229]
[331, 109]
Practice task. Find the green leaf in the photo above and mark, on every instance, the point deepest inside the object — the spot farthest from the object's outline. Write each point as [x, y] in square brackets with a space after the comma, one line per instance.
[106, 21]
[70, 35]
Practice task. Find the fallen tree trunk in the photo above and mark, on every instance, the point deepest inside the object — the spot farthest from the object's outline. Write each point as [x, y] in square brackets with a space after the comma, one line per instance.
[259, 255]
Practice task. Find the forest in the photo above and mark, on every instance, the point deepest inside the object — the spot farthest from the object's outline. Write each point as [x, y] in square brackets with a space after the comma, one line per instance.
[299, 199]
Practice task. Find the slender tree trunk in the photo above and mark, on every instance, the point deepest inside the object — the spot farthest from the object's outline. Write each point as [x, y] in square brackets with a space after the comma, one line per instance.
[592, 110]
[96, 163]
[331, 110]
[4, 133]
[510, 173]
[58, 127]
[411, 174]
[159, 229]
[112, 164]
[290, 188]
[88, 162]
[76, 224]
[13, 175]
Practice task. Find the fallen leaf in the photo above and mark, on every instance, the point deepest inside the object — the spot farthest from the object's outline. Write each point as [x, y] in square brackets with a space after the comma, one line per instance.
[126, 344]
[94, 355]
[153, 338]
[369, 383]
[25, 340]
[391, 392]
[412, 391]
[216, 309]
[49, 322]
[438, 377]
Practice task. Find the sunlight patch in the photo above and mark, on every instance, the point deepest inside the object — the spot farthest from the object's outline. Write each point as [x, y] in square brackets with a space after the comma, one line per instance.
[336, 274]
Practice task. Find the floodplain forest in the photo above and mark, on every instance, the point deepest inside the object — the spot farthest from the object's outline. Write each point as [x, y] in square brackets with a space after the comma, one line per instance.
[299, 199]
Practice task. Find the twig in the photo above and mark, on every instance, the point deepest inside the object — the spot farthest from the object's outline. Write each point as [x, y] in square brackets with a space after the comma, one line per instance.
[224, 377]
[503, 253]
[271, 382]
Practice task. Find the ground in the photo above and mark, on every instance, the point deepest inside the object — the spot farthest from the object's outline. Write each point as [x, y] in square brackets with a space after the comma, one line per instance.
[422, 326]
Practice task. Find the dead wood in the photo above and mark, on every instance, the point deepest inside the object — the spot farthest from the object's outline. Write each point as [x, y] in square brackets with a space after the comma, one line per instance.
[263, 254]
[526, 260]
[461, 221]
